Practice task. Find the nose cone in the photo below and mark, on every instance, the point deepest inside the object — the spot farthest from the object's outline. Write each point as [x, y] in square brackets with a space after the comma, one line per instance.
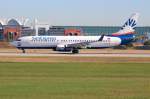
[14, 43]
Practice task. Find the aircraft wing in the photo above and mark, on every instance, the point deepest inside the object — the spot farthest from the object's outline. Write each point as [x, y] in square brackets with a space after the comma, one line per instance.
[78, 45]
[81, 44]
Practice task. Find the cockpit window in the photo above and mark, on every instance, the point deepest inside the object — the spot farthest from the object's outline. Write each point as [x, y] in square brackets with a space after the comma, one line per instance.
[18, 39]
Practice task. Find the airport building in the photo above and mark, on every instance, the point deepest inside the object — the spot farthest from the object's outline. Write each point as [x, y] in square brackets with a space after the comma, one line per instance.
[11, 29]
[94, 30]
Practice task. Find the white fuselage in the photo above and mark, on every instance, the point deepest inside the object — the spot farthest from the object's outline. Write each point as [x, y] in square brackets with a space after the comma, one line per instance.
[63, 41]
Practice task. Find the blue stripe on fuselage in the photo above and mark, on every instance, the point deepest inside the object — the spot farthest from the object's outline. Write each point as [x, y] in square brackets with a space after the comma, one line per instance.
[126, 38]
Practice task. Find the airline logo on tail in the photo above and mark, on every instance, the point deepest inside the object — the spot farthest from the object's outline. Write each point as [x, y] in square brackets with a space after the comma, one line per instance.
[130, 22]
[128, 27]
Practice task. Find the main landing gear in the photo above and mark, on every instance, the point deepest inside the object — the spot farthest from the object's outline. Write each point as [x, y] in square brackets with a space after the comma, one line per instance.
[75, 51]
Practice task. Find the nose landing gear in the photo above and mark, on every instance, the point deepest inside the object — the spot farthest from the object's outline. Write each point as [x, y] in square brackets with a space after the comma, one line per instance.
[23, 51]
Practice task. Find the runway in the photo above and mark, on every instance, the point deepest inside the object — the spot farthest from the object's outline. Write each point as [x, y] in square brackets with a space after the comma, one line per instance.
[74, 55]
[100, 56]
[83, 53]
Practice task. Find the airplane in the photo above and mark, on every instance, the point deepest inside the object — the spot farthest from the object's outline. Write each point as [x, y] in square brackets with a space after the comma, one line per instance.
[74, 43]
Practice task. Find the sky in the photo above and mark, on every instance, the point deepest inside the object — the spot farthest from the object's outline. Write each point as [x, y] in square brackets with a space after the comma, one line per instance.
[77, 12]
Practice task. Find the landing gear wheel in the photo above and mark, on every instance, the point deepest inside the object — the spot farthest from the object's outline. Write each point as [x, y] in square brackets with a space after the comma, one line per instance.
[23, 51]
[75, 51]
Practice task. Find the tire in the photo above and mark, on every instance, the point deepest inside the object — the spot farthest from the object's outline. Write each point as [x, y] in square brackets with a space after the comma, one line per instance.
[75, 51]
[23, 51]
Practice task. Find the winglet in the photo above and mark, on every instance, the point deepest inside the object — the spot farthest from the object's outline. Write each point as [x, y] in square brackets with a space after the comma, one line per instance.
[101, 38]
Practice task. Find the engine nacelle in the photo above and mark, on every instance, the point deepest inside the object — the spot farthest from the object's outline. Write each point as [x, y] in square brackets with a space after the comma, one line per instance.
[63, 48]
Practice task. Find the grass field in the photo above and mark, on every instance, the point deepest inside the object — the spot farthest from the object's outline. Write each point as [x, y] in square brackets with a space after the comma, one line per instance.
[74, 81]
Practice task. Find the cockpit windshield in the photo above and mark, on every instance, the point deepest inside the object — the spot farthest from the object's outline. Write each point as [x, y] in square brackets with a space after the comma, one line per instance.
[18, 39]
